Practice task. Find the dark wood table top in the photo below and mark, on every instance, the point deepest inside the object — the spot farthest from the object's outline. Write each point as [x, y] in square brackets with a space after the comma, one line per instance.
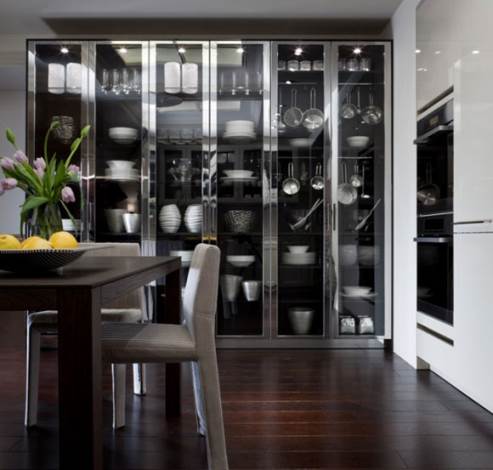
[92, 272]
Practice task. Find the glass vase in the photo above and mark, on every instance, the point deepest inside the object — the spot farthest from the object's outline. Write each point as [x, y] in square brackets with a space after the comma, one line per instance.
[43, 221]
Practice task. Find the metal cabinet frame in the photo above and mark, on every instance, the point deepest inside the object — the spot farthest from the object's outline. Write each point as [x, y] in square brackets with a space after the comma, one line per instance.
[269, 337]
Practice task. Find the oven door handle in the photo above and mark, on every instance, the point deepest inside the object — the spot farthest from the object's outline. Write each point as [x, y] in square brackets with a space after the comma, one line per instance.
[433, 239]
[423, 138]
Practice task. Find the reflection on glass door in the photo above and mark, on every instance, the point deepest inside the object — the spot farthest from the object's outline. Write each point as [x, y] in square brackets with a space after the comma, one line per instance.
[180, 85]
[120, 131]
[359, 195]
[300, 182]
[56, 85]
[240, 116]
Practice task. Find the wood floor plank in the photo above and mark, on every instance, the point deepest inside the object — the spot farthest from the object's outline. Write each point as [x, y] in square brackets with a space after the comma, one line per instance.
[282, 410]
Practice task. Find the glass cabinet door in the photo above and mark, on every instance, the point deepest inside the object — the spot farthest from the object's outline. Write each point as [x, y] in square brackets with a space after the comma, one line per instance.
[360, 149]
[120, 132]
[240, 142]
[300, 116]
[56, 83]
[179, 122]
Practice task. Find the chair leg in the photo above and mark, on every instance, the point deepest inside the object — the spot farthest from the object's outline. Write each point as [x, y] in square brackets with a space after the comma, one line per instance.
[139, 375]
[118, 373]
[33, 346]
[199, 399]
[216, 442]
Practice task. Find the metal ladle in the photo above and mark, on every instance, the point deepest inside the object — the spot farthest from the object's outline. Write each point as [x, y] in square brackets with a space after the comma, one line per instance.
[291, 185]
[317, 181]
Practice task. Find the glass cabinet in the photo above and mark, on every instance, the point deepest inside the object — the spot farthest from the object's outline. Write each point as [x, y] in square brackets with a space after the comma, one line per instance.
[240, 131]
[278, 152]
[56, 80]
[360, 147]
[302, 157]
[179, 127]
[118, 144]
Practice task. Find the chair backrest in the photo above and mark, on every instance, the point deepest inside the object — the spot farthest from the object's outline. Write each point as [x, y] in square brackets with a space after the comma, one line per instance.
[200, 296]
[135, 299]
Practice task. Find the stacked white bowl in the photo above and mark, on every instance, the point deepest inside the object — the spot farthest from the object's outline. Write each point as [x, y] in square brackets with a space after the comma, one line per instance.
[193, 218]
[300, 259]
[123, 135]
[121, 169]
[240, 130]
[170, 218]
[185, 255]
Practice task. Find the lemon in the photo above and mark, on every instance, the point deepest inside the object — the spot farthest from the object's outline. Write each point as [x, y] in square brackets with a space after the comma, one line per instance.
[9, 242]
[63, 240]
[36, 243]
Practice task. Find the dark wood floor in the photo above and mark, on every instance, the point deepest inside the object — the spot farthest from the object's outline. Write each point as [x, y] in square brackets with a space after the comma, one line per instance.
[283, 409]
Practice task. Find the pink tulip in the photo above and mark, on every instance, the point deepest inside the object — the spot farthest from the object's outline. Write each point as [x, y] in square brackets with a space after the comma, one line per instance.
[20, 157]
[39, 164]
[73, 170]
[7, 163]
[68, 195]
[8, 183]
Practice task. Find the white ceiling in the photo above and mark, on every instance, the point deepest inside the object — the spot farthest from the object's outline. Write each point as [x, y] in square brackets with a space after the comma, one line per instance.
[27, 15]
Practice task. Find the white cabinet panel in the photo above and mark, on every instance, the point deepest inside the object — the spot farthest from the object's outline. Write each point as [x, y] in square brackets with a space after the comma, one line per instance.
[473, 156]
[473, 316]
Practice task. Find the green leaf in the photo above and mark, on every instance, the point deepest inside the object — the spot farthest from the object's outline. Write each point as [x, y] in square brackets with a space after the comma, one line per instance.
[32, 202]
[11, 136]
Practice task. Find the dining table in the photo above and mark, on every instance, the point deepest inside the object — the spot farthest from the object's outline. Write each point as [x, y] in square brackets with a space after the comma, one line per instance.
[78, 291]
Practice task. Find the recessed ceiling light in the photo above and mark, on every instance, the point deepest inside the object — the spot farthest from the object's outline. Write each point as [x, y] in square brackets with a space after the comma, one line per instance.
[240, 50]
[438, 52]
[422, 69]
[475, 52]
[298, 51]
[123, 50]
[357, 50]
[64, 50]
[418, 51]
[181, 50]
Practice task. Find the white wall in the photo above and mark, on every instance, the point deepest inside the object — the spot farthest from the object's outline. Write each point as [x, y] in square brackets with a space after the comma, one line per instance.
[402, 28]
[12, 114]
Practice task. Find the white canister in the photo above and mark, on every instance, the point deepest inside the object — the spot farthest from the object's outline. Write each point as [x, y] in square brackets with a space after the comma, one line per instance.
[172, 77]
[190, 78]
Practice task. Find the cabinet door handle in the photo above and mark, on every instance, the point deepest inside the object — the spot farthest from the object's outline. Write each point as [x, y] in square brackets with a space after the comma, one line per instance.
[334, 217]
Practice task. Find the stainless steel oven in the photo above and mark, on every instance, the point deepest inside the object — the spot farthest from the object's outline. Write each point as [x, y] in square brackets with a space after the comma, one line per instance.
[435, 210]
[435, 266]
[435, 159]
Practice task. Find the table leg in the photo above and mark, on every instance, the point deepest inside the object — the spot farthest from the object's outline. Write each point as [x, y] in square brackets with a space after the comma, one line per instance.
[80, 387]
[172, 308]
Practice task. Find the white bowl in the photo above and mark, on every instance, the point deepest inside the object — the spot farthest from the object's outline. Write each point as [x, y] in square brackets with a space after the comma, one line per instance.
[356, 290]
[238, 173]
[298, 248]
[299, 259]
[117, 166]
[238, 124]
[240, 261]
[185, 255]
[358, 141]
[299, 142]
[123, 132]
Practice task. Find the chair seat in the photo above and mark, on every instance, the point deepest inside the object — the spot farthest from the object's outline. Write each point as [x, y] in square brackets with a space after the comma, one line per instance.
[148, 342]
[49, 318]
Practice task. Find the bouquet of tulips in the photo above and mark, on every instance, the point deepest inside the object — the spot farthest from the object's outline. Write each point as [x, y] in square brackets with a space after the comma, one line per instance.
[45, 182]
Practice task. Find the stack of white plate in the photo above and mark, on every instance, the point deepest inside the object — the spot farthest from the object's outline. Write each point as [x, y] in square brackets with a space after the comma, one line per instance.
[193, 218]
[240, 130]
[299, 259]
[121, 170]
[123, 135]
[170, 218]
[185, 255]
